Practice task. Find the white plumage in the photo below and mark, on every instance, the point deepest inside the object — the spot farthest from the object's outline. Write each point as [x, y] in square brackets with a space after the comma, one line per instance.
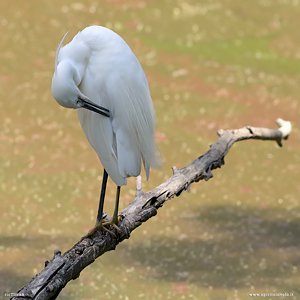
[99, 65]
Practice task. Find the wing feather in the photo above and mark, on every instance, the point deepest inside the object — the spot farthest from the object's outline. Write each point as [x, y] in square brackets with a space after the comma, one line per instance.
[134, 116]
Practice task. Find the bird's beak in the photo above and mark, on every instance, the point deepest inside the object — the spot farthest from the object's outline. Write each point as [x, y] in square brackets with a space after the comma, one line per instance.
[88, 104]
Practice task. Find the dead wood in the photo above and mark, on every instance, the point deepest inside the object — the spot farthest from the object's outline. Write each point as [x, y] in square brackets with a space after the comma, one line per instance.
[63, 268]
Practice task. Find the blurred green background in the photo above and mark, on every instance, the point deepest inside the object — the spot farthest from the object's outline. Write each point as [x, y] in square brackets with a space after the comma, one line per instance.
[210, 65]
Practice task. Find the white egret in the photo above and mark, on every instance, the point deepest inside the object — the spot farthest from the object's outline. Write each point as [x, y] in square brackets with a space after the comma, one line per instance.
[98, 74]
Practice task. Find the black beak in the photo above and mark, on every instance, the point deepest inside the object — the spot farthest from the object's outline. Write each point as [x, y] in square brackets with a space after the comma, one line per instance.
[88, 104]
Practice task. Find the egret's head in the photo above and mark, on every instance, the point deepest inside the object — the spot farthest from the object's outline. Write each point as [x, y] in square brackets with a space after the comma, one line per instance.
[66, 93]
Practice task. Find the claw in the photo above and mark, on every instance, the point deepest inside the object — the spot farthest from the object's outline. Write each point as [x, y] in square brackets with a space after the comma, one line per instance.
[99, 227]
[113, 224]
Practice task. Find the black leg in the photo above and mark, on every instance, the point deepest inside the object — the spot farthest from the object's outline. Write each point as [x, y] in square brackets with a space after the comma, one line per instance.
[102, 196]
[99, 223]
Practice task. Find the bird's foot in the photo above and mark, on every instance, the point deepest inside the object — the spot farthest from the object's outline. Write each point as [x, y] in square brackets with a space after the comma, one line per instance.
[113, 223]
[96, 228]
[100, 226]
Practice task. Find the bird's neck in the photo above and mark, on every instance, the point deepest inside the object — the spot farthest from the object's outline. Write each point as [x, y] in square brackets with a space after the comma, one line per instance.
[68, 68]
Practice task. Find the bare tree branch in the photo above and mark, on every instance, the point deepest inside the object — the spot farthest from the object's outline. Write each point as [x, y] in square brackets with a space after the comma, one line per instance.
[63, 268]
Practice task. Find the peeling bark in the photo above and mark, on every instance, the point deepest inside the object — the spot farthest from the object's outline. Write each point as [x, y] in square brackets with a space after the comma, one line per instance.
[63, 268]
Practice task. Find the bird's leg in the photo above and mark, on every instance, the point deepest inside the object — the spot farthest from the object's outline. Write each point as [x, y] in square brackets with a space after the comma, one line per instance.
[99, 222]
[101, 201]
[115, 220]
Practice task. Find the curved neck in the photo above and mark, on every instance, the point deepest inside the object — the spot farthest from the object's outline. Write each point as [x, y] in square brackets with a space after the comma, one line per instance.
[68, 68]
